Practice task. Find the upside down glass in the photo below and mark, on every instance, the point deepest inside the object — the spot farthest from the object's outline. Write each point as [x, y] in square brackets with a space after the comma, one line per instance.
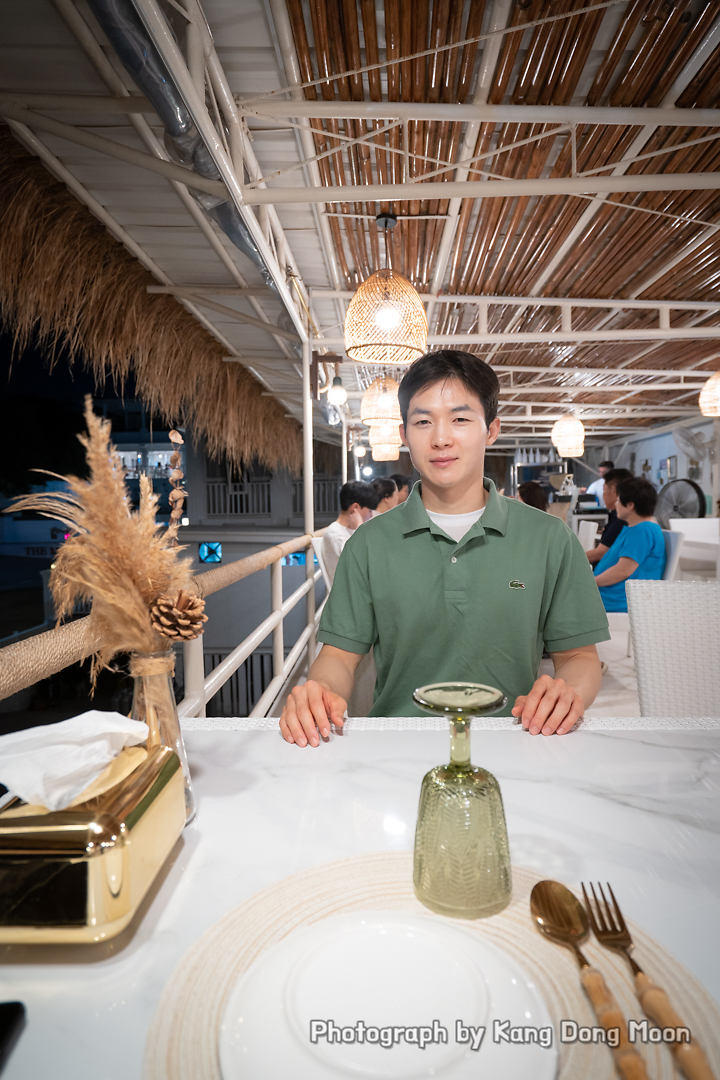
[462, 860]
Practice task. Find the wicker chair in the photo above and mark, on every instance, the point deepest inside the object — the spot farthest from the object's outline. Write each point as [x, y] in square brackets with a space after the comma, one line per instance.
[675, 627]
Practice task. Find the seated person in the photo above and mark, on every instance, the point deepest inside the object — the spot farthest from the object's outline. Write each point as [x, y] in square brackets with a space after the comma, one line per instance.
[387, 493]
[615, 525]
[403, 486]
[458, 583]
[596, 488]
[639, 551]
[532, 494]
[357, 501]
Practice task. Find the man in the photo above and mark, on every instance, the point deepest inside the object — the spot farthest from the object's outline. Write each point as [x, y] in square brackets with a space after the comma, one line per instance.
[357, 501]
[596, 488]
[403, 485]
[639, 552]
[615, 525]
[459, 583]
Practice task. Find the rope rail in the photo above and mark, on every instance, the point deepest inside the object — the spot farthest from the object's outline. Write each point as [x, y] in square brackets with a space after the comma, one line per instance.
[24, 663]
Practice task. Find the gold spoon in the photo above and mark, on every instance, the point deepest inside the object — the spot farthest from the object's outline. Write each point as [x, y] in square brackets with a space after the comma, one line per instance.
[562, 918]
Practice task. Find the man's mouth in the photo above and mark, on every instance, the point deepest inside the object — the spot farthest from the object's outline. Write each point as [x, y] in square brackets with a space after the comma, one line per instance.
[442, 461]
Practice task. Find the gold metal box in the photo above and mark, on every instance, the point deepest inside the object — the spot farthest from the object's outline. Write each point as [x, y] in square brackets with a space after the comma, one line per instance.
[80, 875]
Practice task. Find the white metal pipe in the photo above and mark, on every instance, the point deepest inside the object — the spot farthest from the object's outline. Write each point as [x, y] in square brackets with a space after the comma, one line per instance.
[343, 459]
[274, 688]
[598, 388]
[482, 113]
[555, 336]
[486, 189]
[537, 301]
[308, 501]
[194, 673]
[160, 33]
[276, 599]
[220, 675]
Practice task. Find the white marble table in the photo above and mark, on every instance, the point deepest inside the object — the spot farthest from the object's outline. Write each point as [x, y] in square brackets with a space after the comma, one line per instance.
[637, 807]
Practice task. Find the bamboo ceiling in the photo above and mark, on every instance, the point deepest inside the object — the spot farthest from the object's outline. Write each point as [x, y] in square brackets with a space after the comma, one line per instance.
[510, 246]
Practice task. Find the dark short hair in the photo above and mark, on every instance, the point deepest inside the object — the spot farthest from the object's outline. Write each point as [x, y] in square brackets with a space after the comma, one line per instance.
[357, 491]
[532, 493]
[615, 476]
[400, 480]
[606, 465]
[471, 371]
[640, 493]
[383, 487]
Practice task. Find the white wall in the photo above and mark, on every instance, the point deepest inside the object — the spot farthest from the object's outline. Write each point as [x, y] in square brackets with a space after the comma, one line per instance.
[656, 447]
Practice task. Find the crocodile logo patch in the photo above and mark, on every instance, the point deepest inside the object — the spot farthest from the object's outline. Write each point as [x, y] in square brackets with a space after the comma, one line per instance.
[515, 584]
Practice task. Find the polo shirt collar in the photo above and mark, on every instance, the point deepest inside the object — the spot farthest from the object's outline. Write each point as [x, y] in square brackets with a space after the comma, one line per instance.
[416, 518]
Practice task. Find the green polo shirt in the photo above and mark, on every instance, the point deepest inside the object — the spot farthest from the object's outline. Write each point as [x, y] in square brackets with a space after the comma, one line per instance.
[479, 610]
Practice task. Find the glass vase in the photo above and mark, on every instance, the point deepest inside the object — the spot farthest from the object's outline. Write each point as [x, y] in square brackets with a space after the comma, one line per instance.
[154, 703]
[462, 859]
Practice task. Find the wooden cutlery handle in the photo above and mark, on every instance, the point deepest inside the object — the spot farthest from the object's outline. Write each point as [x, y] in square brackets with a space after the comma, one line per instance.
[628, 1062]
[689, 1058]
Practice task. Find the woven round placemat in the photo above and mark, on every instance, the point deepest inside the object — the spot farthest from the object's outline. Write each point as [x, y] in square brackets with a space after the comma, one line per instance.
[183, 1040]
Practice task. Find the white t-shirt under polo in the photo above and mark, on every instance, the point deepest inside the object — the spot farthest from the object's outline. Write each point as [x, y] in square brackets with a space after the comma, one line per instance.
[456, 525]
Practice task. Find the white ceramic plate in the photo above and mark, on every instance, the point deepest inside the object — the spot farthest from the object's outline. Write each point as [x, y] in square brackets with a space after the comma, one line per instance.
[370, 974]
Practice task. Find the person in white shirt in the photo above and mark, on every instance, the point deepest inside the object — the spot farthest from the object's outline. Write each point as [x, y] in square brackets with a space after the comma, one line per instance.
[596, 488]
[357, 501]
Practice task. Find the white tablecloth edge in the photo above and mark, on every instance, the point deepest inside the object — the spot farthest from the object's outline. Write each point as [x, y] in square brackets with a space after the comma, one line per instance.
[491, 723]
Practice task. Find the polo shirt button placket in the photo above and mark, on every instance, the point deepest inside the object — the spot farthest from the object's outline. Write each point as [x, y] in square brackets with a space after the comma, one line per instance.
[453, 559]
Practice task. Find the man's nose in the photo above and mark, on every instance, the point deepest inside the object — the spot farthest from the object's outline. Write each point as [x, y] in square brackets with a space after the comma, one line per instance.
[442, 434]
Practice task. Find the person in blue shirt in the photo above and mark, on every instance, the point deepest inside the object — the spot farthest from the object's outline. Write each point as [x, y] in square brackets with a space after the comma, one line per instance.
[639, 551]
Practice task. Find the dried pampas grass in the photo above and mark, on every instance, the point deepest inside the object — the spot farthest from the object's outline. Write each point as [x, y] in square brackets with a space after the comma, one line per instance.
[65, 281]
[118, 558]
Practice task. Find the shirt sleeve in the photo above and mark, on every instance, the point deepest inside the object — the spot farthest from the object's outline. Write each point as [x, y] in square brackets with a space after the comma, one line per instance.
[575, 614]
[348, 618]
[332, 546]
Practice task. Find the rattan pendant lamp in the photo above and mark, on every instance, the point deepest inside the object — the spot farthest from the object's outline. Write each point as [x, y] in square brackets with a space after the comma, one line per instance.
[386, 321]
[709, 400]
[568, 436]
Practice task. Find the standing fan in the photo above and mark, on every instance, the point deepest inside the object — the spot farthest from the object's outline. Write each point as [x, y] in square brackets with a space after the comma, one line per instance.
[680, 499]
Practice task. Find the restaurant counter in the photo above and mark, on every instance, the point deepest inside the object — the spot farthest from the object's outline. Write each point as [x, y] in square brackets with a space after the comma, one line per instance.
[627, 801]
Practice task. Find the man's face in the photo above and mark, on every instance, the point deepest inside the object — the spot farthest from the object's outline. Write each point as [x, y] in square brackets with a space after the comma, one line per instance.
[403, 494]
[610, 496]
[447, 435]
[603, 469]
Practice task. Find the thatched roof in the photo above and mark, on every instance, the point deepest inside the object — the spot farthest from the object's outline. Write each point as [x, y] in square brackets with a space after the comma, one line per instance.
[64, 280]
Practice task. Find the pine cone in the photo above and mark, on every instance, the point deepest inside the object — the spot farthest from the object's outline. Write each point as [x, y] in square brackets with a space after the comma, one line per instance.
[179, 617]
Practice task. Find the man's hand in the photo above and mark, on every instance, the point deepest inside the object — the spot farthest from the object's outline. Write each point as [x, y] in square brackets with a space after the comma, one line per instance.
[551, 707]
[310, 709]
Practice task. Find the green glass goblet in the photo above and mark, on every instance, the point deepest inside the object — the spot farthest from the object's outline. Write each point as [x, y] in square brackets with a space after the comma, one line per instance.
[462, 859]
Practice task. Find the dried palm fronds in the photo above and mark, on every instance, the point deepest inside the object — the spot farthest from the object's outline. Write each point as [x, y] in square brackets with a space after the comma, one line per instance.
[65, 281]
[118, 558]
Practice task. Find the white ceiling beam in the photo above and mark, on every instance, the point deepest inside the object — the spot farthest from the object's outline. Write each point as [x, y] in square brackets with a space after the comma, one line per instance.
[481, 113]
[593, 388]
[538, 301]
[555, 337]
[486, 189]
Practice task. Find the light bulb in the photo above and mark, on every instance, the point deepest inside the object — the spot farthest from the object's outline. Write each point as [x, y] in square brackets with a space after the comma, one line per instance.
[337, 394]
[367, 471]
[359, 450]
[387, 317]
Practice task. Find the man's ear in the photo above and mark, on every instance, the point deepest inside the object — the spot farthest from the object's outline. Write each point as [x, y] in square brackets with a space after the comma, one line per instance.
[493, 431]
[402, 435]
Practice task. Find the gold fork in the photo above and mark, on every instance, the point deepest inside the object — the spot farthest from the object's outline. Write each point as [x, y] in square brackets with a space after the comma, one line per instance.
[612, 932]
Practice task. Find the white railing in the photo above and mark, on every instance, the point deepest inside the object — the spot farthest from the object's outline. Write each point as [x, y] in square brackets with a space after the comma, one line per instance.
[326, 496]
[25, 662]
[232, 500]
[199, 688]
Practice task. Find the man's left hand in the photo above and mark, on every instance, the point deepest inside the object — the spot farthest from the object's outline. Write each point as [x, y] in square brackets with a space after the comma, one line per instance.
[551, 707]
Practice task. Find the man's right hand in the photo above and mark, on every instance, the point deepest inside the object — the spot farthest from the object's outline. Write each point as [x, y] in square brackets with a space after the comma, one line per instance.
[308, 713]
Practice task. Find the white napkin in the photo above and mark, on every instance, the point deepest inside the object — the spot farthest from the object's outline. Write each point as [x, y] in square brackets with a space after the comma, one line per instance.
[51, 765]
